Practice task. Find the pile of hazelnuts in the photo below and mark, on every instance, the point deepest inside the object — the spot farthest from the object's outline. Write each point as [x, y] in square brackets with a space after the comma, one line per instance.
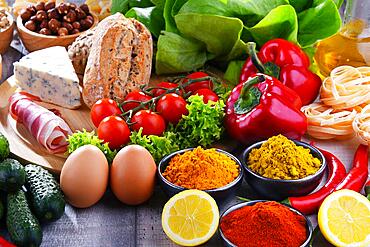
[63, 19]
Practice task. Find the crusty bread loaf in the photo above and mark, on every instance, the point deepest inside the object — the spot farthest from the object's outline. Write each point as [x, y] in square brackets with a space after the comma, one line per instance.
[119, 61]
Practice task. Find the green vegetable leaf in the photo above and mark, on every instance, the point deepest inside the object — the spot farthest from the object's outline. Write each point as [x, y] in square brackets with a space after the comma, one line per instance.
[300, 5]
[233, 71]
[321, 20]
[281, 22]
[158, 146]
[121, 6]
[178, 54]
[140, 3]
[159, 3]
[203, 125]
[151, 17]
[79, 139]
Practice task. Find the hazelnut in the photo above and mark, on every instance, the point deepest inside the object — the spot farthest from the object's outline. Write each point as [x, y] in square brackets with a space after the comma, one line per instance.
[62, 31]
[76, 25]
[49, 5]
[90, 18]
[40, 6]
[85, 8]
[54, 25]
[80, 14]
[41, 15]
[71, 16]
[53, 14]
[63, 9]
[31, 25]
[86, 24]
[72, 6]
[74, 31]
[68, 26]
[44, 24]
[31, 9]
[25, 15]
[33, 18]
[45, 31]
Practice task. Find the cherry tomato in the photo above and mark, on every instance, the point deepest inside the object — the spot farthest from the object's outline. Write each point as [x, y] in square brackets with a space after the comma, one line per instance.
[207, 95]
[169, 85]
[198, 85]
[135, 95]
[103, 108]
[115, 131]
[151, 122]
[172, 107]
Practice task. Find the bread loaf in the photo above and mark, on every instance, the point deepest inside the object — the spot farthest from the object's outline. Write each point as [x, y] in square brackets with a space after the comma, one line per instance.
[120, 59]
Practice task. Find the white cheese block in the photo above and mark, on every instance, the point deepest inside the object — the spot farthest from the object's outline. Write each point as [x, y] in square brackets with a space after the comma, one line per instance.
[49, 74]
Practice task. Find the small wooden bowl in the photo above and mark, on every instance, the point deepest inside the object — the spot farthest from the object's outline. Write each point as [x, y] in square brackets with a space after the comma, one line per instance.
[34, 41]
[6, 36]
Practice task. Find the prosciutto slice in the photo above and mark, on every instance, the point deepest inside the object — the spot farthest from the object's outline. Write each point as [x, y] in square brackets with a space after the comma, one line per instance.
[50, 130]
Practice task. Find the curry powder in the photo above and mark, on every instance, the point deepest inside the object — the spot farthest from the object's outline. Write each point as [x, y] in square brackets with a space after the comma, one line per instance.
[281, 158]
[201, 169]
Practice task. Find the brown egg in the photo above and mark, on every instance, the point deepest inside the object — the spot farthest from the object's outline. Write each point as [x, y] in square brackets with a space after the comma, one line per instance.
[132, 175]
[84, 176]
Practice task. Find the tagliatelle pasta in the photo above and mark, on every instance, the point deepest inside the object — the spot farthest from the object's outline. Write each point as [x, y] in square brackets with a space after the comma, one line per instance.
[361, 125]
[346, 87]
[324, 122]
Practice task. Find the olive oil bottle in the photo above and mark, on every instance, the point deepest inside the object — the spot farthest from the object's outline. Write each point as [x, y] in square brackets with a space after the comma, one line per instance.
[351, 45]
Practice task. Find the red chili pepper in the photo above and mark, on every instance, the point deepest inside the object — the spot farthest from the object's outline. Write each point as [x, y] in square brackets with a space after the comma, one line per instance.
[287, 62]
[357, 177]
[367, 189]
[309, 204]
[4, 243]
[263, 107]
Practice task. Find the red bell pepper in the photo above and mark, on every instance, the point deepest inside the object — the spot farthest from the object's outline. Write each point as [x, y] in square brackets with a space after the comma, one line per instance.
[367, 190]
[4, 243]
[263, 107]
[286, 62]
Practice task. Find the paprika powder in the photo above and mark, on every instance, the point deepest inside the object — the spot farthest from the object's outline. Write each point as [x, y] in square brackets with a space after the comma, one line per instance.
[264, 224]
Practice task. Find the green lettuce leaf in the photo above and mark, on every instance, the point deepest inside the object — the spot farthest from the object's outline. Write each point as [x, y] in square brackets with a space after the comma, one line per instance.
[140, 3]
[177, 54]
[281, 22]
[319, 21]
[151, 17]
[121, 6]
[233, 71]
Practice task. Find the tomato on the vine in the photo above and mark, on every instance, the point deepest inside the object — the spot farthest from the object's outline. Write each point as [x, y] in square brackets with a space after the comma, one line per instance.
[172, 107]
[207, 95]
[164, 84]
[103, 108]
[135, 95]
[115, 131]
[151, 122]
[198, 85]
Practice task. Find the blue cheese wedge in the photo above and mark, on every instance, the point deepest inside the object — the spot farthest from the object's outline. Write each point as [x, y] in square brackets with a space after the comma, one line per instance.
[49, 74]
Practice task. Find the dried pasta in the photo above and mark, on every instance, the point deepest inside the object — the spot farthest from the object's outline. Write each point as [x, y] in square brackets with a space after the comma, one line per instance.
[361, 125]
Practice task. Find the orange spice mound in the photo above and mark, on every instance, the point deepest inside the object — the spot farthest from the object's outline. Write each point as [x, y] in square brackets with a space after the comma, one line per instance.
[201, 169]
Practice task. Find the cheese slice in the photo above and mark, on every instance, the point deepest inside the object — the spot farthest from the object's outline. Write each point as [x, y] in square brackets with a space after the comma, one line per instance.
[49, 74]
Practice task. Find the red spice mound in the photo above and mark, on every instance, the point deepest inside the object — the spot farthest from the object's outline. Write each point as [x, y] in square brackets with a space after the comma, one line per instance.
[265, 224]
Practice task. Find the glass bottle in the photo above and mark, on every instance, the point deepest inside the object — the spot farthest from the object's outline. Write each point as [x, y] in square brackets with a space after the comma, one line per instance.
[351, 45]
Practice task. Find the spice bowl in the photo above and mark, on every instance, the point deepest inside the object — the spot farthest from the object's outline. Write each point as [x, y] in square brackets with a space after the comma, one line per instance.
[34, 41]
[228, 243]
[6, 35]
[218, 194]
[280, 189]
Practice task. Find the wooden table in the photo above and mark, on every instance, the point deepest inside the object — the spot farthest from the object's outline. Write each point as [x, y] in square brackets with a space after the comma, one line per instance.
[111, 223]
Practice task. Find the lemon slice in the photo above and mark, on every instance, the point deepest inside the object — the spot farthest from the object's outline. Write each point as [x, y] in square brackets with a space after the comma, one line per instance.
[344, 219]
[190, 218]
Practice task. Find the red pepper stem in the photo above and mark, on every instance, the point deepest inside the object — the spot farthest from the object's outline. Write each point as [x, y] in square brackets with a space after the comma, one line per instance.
[255, 60]
[249, 96]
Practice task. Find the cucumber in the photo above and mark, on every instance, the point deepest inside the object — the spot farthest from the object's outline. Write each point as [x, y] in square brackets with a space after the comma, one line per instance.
[23, 227]
[4, 147]
[46, 198]
[12, 175]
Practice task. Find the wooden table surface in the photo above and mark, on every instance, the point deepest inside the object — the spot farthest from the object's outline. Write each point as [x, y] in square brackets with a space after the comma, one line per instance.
[109, 222]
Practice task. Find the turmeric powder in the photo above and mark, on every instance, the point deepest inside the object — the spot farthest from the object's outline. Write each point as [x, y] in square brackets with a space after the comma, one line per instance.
[281, 158]
[201, 169]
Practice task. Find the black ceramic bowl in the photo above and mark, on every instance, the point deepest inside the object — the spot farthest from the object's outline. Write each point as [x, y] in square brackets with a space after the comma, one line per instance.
[279, 189]
[219, 193]
[240, 205]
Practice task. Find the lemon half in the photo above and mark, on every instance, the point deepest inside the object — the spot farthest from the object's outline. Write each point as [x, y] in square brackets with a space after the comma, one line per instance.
[344, 219]
[190, 218]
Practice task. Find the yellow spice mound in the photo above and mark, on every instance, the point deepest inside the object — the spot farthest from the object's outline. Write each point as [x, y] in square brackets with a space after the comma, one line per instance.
[201, 169]
[281, 158]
